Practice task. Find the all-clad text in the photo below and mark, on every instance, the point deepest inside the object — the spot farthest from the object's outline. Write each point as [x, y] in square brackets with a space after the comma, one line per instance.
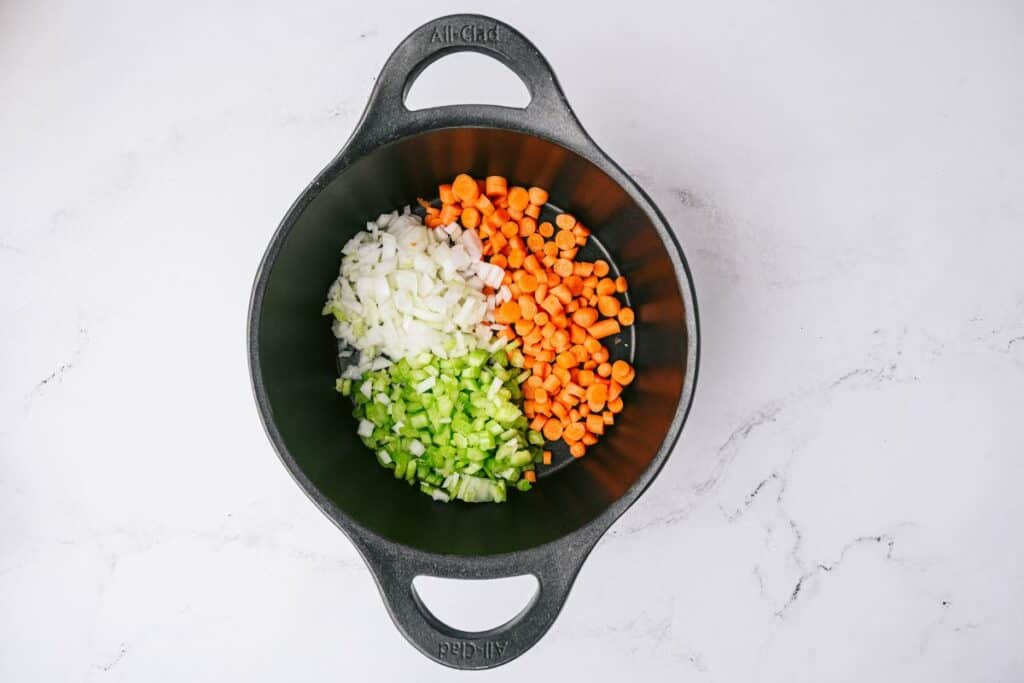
[468, 33]
[457, 649]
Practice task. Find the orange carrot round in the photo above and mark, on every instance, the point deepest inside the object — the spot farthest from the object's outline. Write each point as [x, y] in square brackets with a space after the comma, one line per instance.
[538, 196]
[608, 305]
[552, 429]
[518, 198]
[622, 372]
[465, 188]
[566, 221]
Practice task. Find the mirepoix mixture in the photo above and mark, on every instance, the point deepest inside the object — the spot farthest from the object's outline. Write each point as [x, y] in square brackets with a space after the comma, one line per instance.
[473, 336]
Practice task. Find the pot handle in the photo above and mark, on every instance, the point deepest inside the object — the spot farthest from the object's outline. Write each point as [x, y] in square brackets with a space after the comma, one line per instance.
[555, 572]
[387, 118]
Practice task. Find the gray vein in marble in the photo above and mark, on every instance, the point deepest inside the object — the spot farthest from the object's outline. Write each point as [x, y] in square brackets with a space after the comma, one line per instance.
[115, 660]
[58, 374]
[749, 500]
[729, 448]
[828, 568]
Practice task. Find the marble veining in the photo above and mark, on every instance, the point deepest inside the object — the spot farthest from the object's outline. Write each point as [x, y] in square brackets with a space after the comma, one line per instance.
[843, 504]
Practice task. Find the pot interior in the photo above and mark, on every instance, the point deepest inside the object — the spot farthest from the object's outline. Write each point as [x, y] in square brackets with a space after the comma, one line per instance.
[297, 352]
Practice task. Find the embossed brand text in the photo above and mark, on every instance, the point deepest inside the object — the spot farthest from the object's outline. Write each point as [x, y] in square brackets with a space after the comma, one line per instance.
[457, 649]
[468, 33]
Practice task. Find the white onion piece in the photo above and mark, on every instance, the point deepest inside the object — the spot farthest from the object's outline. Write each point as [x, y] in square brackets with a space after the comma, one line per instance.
[404, 289]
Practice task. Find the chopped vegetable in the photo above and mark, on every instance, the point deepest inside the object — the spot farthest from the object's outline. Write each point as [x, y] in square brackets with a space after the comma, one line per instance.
[452, 425]
[558, 308]
[405, 289]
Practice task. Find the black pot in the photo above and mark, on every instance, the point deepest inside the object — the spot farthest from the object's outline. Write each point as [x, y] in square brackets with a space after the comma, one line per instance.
[393, 156]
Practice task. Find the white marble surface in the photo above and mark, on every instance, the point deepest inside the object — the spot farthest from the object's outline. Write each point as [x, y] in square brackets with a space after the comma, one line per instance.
[845, 502]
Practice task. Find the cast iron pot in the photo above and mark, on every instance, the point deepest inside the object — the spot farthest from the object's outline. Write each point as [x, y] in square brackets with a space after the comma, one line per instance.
[393, 156]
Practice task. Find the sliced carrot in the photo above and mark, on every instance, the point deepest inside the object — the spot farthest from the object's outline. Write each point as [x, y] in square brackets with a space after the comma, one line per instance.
[605, 287]
[560, 340]
[527, 226]
[626, 316]
[621, 286]
[614, 390]
[560, 410]
[565, 360]
[583, 268]
[515, 259]
[563, 267]
[585, 317]
[527, 306]
[533, 211]
[552, 305]
[528, 283]
[524, 326]
[575, 284]
[498, 241]
[483, 205]
[585, 378]
[565, 239]
[577, 334]
[578, 449]
[449, 213]
[470, 217]
[573, 431]
[507, 313]
[597, 394]
[604, 328]
[546, 457]
[495, 186]
[465, 188]
[510, 229]
[552, 429]
[541, 318]
[589, 439]
[546, 229]
[541, 292]
[499, 260]
[623, 372]
[608, 305]
[604, 370]
[447, 196]
[535, 243]
[518, 198]
[565, 221]
[595, 424]
[615, 405]
[538, 196]
[530, 476]
[601, 355]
